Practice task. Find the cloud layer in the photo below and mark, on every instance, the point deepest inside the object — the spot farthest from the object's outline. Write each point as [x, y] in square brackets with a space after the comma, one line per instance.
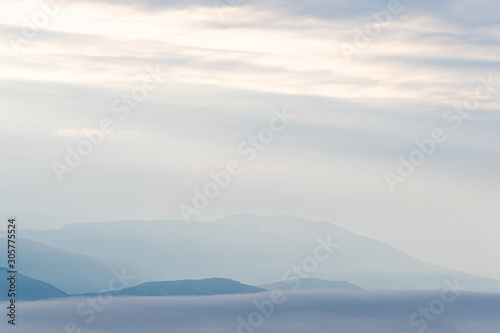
[353, 312]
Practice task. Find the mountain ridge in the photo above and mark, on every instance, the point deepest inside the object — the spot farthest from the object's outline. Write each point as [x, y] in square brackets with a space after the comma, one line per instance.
[27, 288]
[187, 287]
[254, 250]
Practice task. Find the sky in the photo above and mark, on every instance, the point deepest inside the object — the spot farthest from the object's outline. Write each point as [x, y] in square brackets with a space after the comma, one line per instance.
[313, 104]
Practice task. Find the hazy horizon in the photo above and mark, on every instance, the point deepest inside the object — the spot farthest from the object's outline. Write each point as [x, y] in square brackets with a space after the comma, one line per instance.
[380, 117]
[234, 220]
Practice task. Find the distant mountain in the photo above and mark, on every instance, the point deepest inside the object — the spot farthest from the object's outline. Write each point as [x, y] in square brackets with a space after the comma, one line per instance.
[213, 286]
[68, 271]
[27, 289]
[254, 250]
[311, 284]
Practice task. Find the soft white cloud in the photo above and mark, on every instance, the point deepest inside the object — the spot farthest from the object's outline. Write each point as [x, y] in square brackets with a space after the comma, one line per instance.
[269, 54]
[75, 133]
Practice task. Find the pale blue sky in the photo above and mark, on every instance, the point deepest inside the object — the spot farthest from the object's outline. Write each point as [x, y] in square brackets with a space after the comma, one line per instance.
[225, 68]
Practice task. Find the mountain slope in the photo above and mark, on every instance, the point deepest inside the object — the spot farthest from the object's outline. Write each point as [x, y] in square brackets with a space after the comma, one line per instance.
[254, 250]
[27, 289]
[213, 286]
[68, 271]
[311, 284]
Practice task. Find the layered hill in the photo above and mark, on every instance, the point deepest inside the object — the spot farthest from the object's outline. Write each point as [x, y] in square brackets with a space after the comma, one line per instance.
[69, 271]
[311, 284]
[255, 250]
[204, 287]
[26, 288]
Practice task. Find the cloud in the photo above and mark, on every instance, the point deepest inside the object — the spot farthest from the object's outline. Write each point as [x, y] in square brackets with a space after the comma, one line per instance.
[75, 133]
[198, 48]
[354, 312]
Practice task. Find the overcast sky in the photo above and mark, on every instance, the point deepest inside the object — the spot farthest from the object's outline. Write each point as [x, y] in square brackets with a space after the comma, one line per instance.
[221, 70]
